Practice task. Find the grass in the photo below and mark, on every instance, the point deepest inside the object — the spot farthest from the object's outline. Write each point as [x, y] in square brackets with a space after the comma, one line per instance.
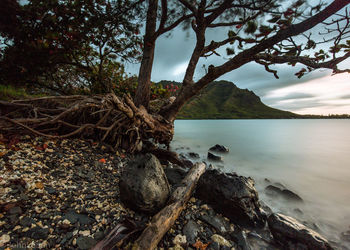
[8, 92]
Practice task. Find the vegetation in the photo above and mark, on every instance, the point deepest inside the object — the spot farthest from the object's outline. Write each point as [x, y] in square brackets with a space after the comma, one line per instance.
[223, 100]
[71, 46]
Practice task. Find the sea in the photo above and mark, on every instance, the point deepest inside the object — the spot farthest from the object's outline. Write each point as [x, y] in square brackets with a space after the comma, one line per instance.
[310, 157]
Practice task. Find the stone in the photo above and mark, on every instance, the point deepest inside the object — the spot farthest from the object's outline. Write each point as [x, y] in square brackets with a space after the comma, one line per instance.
[180, 240]
[288, 231]
[232, 195]
[5, 238]
[26, 221]
[193, 155]
[219, 148]
[220, 240]
[15, 210]
[240, 238]
[284, 193]
[38, 233]
[216, 221]
[175, 175]
[143, 184]
[85, 242]
[213, 157]
[191, 230]
[74, 217]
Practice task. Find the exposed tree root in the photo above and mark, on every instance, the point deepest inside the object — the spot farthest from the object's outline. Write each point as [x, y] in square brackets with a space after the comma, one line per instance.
[109, 119]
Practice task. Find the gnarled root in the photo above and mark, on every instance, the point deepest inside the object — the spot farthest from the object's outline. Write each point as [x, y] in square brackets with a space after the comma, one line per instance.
[110, 119]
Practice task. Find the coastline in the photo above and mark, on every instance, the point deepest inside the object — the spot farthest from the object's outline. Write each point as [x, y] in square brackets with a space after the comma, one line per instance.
[64, 194]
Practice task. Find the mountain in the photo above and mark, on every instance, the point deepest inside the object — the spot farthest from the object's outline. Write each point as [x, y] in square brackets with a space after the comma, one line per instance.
[224, 100]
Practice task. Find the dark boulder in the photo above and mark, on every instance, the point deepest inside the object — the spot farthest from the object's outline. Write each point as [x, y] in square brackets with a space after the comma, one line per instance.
[193, 155]
[144, 185]
[213, 157]
[232, 195]
[284, 193]
[219, 148]
[175, 175]
[294, 235]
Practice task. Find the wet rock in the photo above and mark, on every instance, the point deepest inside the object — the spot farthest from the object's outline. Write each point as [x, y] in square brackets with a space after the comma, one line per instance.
[289, 232]
[219, 148]
[284, 193]
[175, 175]
[191, 230]
[215, 221]
[144, 185]
[241, 240]
[232, 195]
[220, 240]
[85, 242]
[213, 157]
[193, 155]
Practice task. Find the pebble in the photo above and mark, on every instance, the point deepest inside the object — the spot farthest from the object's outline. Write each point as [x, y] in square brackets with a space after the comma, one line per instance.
[220, 240]
[4, 239]
[180, 240]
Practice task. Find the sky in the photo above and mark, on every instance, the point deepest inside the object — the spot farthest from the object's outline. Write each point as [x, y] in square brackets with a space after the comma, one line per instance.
[317, 92]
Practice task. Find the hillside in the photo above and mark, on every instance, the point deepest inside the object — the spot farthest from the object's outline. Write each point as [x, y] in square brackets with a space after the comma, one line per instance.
[224, 100]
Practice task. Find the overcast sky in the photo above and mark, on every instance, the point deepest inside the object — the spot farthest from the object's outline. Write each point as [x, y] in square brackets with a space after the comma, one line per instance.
[315, 93]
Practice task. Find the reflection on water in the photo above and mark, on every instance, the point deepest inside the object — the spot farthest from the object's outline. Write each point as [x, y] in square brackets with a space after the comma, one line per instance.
[309, 157]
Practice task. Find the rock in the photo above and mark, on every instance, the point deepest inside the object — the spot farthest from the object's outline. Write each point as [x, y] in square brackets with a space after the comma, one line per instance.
[213, 157]
[216, 221]
[175, 175]
[85, 242]
[193, 155]
[26, 221]
[220, 240]
[180, 240]
[38, 233]
[289, 232]
[5, 238]
[219, 148]
[191, 230]
[241, 240]
[144, 185]
[15, 210]
[232, 195]
[74, 217]
[284, 193]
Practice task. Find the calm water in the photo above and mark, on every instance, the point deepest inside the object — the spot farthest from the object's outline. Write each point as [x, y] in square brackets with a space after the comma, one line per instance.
[309, 157]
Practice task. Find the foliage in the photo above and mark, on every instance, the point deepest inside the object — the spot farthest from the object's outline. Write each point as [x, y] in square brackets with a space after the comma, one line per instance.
[223, 100]
[67, 40]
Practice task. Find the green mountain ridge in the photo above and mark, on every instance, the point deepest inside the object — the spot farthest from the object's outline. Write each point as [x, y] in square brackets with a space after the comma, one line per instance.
[224, 100]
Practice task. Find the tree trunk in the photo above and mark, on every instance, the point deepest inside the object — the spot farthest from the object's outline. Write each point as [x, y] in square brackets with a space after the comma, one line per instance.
[163, 220]
[142, 95]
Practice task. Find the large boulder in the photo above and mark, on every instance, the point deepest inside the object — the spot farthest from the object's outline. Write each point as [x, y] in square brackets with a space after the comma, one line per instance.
[143, 184]
[232, 195]
[294, 235]
[219, 148]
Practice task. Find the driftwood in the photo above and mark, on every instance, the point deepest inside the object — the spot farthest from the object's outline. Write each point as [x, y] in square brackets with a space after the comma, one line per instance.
[173, 157]
[163, 220]
[105, 118]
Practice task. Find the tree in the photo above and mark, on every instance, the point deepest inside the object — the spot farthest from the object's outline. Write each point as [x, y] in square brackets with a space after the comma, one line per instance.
[267, 32]
[74, 41]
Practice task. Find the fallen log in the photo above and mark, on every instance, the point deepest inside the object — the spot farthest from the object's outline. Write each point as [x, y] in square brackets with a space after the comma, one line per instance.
[163, 220]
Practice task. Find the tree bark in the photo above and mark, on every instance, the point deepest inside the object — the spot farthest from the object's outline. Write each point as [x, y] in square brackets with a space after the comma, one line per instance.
[142, 95]
[163, 221]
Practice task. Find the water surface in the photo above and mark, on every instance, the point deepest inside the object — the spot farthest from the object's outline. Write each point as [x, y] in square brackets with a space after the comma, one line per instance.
[309, 157]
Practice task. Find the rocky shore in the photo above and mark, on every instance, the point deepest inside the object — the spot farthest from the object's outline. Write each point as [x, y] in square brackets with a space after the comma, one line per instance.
[64, 194]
